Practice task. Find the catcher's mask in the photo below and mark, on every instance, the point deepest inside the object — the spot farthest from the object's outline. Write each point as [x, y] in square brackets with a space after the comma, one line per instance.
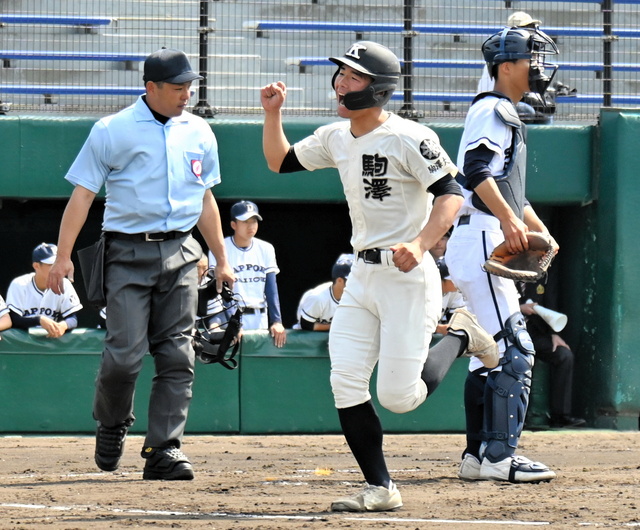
[376, 61]
[218, 323]
[512, 44]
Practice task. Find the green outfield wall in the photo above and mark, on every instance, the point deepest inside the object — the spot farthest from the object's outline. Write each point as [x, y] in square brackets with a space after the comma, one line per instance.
[581, 180]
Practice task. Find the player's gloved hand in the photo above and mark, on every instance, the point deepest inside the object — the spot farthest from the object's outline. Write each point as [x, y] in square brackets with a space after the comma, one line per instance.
[61, 268]
[279, 334]
[407, 256]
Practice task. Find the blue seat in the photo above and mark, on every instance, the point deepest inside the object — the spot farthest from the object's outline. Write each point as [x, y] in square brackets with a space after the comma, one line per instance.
[67, 89]
[452, 97]
[55, 19]
[70, 56]
[448, 29]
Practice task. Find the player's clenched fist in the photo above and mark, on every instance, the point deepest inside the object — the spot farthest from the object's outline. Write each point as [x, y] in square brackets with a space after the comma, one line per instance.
[407, 256]
[272, 96]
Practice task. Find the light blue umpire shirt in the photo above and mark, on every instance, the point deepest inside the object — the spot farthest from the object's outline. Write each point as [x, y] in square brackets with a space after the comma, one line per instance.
[154, 175]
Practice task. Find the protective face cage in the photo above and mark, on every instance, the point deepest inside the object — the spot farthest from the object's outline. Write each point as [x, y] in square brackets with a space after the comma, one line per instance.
[524, 43]
[218, 323]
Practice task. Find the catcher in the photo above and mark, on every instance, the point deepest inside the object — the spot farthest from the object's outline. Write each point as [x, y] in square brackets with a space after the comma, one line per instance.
[492, 163]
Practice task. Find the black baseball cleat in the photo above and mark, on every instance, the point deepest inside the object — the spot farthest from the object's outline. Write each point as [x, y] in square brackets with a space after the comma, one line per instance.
[566, 422]
[110, 445]
[166, 463]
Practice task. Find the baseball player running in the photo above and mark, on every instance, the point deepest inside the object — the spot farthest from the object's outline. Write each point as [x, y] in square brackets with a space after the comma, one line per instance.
[318, 305]
[492, 158]
[391, 170]
[31, 304]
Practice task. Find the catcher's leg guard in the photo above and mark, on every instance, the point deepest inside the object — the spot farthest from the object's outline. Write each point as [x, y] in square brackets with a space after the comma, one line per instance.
[507, 393]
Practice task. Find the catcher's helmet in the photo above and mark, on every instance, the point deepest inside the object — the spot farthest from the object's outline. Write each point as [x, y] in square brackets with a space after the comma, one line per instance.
[512, 44]
[376, 61]
[218, 323]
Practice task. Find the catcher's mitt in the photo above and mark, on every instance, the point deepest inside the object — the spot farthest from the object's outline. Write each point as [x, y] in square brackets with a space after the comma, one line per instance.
[527, 266]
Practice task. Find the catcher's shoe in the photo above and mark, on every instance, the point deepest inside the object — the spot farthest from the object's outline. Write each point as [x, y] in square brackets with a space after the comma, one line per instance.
[515, 469]
[370, 499]
[110, 445]
[469, 468]
[481, 344]
[168, 463]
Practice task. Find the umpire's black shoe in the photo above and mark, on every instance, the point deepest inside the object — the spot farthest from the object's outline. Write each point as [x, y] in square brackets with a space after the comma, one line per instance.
[168, 463]
[110, 445]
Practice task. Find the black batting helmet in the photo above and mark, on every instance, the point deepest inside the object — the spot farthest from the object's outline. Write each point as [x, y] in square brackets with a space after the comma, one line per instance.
[376, 61]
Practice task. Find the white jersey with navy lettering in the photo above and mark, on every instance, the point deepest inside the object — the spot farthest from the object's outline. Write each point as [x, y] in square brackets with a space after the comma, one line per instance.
[25, 299]
[317, 305]
[250, 267]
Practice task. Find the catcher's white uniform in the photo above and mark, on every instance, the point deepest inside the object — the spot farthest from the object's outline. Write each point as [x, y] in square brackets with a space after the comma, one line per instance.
[491, 298]
[385, 315]
[250, 267]
[317, 305]
[25, 299]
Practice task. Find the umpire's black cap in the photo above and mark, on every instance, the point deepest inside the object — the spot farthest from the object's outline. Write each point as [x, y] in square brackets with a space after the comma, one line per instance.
[169, 66]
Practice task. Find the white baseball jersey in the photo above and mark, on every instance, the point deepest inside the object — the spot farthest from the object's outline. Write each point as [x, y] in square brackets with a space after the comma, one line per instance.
[250, 267]
[483, 127]
[24, 298]
[3, 307]
[317, 305]
[384, 174]
[385, 316]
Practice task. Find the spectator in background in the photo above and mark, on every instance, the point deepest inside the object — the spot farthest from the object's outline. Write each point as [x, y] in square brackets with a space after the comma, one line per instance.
[551, 348]
[437, 251]
[5, 318]
[318, 305]
[254, 265]
[31, 304]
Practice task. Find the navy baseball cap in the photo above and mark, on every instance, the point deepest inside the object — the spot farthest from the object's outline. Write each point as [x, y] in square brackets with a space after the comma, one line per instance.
[244, 210]
[170, 66]
[342, 267]
[44, 253]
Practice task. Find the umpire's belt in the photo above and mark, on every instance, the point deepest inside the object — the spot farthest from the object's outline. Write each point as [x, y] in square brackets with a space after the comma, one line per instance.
[158, 236]
[254, 310]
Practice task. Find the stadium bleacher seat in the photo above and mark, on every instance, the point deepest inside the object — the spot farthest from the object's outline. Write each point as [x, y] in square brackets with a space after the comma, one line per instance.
[55, 20]
[6, 56]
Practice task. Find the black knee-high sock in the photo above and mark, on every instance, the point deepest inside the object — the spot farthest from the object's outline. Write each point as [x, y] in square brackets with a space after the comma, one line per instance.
[474, 387]
[440, 359]
[362, 429]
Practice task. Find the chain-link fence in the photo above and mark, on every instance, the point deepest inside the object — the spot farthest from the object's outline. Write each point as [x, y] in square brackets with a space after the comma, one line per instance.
[86, 56]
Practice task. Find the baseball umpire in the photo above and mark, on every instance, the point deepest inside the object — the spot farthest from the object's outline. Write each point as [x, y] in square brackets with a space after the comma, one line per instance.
[391, 170]
[492, 158]
[158, 165]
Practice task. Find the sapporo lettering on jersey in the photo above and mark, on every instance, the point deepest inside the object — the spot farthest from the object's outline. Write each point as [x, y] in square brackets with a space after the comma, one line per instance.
[248, 268]
[46, 311]
[375, 167]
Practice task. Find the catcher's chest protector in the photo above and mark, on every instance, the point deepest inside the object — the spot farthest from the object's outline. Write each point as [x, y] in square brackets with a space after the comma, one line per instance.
[512, 182]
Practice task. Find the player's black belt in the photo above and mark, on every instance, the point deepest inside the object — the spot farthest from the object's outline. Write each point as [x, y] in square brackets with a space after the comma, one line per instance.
[371, 255]
[158, 236]
[464, 220]
[254, 310]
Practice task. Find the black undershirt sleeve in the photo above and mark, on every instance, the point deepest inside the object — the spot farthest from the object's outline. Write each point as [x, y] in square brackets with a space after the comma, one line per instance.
[291, 164]
[306, 325]
[476, 166]
[447, 185]
[21, 322]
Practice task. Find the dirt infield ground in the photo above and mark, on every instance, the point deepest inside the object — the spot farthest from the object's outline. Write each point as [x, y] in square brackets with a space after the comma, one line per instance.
[288, 482]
